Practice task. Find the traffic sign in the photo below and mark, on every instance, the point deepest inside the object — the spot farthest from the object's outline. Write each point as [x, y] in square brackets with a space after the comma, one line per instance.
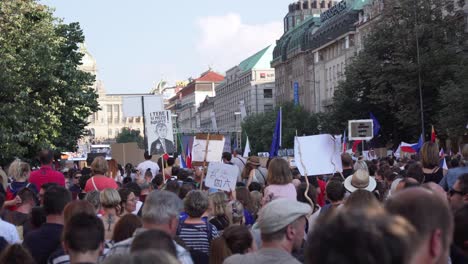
[361, 129]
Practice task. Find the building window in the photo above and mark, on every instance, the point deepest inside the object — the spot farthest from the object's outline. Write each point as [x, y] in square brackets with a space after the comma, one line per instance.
[268, 108]
[109, 131]
[268, 93]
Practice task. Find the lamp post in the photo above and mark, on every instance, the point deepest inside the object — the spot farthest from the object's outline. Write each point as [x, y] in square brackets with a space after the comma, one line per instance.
[238, 129]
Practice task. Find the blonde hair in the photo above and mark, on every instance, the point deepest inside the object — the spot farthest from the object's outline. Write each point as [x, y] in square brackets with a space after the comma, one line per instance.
[256, 201]
[430, 155]
[109, 198]
[19, 170]
[218, 200]
[99, 166]
[279, 172]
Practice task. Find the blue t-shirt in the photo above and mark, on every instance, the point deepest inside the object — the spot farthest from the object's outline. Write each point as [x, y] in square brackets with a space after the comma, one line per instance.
[44, 241]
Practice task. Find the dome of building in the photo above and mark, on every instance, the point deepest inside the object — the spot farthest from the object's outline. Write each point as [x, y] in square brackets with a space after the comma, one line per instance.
[88, 61]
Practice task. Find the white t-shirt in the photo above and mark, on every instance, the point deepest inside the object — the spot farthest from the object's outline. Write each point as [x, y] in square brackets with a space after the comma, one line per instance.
[9, 232]
[148, 164]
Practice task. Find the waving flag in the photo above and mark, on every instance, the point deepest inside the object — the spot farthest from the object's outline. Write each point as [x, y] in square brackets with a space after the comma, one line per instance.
[411, 148]
[443, 162]
[247, 148]
[188, 157]
[345, 141]
[276, 143]
[376, 124]
[433, 135]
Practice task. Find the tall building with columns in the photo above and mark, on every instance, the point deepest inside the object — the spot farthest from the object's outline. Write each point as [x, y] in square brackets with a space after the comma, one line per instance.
[106, 123]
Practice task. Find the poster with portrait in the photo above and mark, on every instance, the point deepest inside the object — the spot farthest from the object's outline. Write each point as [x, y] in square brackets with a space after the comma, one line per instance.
[159, 132]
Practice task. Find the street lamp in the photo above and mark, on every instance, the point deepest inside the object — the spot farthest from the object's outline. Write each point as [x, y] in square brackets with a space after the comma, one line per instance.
[238, 129]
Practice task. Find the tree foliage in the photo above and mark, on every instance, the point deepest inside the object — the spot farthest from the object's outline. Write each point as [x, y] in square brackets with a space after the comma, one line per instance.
[128, 135]
[383, 77]
[296, 120]
[44, 98]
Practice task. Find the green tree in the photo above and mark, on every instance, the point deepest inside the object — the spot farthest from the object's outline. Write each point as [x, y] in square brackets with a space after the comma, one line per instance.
[296, 120]
[44, 98]
[383, 77]
[128, 135]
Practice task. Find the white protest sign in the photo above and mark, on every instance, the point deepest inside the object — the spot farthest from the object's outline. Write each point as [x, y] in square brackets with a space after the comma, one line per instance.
[159, 132]
[318, 155]
[222, 176]
[215, 150]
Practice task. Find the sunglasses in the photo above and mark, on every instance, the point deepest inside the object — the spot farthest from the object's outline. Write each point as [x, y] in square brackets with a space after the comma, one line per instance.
[77, 176]
[452, 192]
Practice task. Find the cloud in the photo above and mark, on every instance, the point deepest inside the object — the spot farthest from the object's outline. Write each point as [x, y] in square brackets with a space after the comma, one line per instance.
[224, 41]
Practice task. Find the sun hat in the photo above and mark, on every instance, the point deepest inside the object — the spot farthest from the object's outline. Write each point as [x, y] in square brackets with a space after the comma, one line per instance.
[254, 160]
[280, 213]
[360, 180]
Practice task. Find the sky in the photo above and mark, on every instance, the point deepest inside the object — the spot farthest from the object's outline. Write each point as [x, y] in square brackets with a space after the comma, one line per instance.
[137, 43]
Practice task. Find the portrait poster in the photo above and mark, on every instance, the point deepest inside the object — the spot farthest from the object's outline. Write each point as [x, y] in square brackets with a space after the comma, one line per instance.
[159, 132]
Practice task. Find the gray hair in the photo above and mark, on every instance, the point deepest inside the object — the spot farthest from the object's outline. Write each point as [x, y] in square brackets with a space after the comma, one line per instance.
[161, 206]
[93, 198]
[196, 203]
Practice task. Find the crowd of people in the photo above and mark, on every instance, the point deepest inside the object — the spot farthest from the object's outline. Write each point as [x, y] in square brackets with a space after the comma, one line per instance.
[408, 210]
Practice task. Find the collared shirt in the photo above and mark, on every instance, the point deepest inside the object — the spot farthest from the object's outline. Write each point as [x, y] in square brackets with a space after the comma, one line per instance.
[45, 175]
[9, 232]
[123, 248]
[263, 256]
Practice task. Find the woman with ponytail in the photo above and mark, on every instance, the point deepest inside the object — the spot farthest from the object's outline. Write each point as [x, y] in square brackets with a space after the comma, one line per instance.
[234, 240]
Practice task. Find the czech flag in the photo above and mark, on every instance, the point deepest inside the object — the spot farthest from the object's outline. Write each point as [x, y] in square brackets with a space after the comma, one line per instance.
[188, 157]
[412, 148]
[443, 162]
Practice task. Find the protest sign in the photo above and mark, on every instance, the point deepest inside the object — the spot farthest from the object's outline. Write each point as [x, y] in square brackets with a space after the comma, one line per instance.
[318, 155]
[361, 129]
[209, 146]
[222, 176]
[159, 132]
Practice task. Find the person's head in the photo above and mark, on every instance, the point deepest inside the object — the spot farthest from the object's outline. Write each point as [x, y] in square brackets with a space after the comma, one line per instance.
[279, 172]
[360, 236]
[227, 156]
[109, 198]
[406, 183]
[218, 203]
[416, 172]
[77, 207]
[140, 257]
[147, 155]
[83, 235]
[185, 189]
[172, 186]
[28, 198]
[161, 210]
[335, 191]
[429, 155]
[43, 189]
[237, 151]
[152, 240]
[346, 161]
[256, 201]
[55, 200]
[128, 200]
[361, 165]
[311, 193]
[76, 176]
[46, 157]
[158, 181]
[16, 253]
[282, 221]
[234, 240]
[99, 166]
[360, 180]
[243, 196]
[237, 212]
[460, 232]
[458, 195]
[432, 218]
[19, 170]
[196, 204]
[362, 199]
[125, 227]
[161, 130]
[38, 217]
[255, 186]
[93, 197]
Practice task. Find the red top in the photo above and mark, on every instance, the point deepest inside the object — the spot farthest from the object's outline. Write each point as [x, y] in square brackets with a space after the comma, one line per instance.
[321, 196]
[99, 183]
[45, 175]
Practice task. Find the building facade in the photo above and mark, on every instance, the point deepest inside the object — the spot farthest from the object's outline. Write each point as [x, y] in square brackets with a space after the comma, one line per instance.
[186, 102]
[107, 123]
[310, 59]
[251, 84]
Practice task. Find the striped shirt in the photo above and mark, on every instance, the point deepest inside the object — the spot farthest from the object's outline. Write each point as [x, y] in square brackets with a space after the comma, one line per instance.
[197, 236]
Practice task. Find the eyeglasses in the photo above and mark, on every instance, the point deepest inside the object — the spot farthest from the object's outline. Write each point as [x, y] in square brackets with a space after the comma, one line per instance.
[452, 192]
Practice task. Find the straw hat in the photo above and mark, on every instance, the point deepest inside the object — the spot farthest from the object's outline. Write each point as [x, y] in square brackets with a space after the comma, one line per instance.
[360, 180]
[254, 160]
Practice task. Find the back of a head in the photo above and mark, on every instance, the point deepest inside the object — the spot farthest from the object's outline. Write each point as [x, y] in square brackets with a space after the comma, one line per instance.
[360, 237]
[160, 207]
[83, 233]
[77, 207]
[46, 157]
[19, 170]
[416, 172]
[99, 165]
[227, 156]
[143, 257]
[243, 196]
[219, 201]
[55, 200]
[27, 196]
[335, 191]
[236, 239]
[109, 198]
[125, 227]
[152, 240]
[185, 189]
[93, 198]
[196, 203]
[170, 161]
[429, 155]
[279, 172]
[362, 199]
[16, 253]
[147, 155]
[346, 160]
[425, 210]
